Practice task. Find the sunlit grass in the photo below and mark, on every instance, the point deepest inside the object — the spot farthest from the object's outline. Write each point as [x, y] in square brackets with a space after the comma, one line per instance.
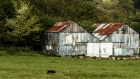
[30, 67]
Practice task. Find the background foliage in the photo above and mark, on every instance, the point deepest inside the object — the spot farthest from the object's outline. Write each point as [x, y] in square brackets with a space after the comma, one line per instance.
[23, 22]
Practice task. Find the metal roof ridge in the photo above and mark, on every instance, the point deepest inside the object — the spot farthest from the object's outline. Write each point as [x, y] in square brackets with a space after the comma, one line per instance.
[58, 26]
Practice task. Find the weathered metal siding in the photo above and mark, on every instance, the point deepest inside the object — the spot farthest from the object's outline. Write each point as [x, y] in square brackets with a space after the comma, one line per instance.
[125, 40]
[124, 44]
[70, 39]
[52, 38]
[103, 30]
[51, 42]
[68, 43]
[73, 38]
[74, 43]
[73, 28]
[125, 29]
[58, 26]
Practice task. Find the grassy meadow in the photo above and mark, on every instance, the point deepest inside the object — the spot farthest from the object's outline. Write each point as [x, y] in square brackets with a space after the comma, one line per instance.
[35, 66]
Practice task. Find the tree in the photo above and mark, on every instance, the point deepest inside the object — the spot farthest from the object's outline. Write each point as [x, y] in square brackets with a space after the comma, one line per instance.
[114, 10]
[81, 11]
[136, 4]
[6, 11]
[2, 20]
[23, 24]
[135, 22]
[106, 10]
[127, 8]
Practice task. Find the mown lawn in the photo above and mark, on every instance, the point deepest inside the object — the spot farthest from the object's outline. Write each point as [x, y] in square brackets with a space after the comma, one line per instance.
[31, 67]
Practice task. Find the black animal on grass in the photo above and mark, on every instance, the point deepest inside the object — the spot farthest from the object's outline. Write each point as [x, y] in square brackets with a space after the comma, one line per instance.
[51, 71]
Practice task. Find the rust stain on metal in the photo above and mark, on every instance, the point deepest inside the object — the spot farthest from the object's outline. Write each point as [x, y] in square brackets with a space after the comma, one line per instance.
[58, 26]
[107, 29]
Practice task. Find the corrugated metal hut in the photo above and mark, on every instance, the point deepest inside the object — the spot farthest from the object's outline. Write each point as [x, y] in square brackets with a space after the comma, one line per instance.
[67, 38]
[124, 39]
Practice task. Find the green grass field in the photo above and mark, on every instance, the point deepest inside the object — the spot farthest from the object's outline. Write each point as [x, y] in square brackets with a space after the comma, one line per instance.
[35, 67]
[19, 64]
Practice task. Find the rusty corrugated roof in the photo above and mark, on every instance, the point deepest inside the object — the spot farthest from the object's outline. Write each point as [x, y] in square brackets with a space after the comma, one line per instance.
[58, 26]
[107, 29]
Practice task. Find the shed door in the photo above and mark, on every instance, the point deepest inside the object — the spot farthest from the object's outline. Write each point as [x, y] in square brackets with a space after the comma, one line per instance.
[93, 49]
[106, 49]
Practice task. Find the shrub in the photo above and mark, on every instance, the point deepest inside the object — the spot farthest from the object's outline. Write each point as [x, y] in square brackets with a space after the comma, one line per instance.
[94, 57]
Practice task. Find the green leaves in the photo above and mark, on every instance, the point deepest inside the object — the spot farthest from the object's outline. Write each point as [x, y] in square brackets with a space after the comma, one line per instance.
[27, 20]
[113, 10]
[87, 25]
[135, 22]
[24, 22]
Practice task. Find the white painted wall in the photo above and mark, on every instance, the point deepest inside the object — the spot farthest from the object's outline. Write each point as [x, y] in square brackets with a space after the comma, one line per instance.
[93, 49]
[102, 49]
[106, 49]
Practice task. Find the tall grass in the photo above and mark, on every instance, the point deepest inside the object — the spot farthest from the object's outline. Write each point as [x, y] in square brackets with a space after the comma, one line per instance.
[35, 67]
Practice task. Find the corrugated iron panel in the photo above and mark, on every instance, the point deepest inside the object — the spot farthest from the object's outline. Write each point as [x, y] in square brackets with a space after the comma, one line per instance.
[74, 43]
[100, 37]
[52, 39]
[66, 27]
[126, 51]
[72, 38]
[59, 26]
[69, 43]
[93, 49]
[124, 40]
[124, 44]
[72, 50]
[106, 49]
[107, 29]
[104, 29]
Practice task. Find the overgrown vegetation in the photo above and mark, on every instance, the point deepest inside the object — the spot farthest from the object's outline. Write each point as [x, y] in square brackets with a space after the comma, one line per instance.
[19, 52]
[23, 22]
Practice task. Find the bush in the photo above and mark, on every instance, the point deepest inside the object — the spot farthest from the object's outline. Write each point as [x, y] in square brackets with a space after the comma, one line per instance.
[81, 55]
[94, 57]
[18, 52]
